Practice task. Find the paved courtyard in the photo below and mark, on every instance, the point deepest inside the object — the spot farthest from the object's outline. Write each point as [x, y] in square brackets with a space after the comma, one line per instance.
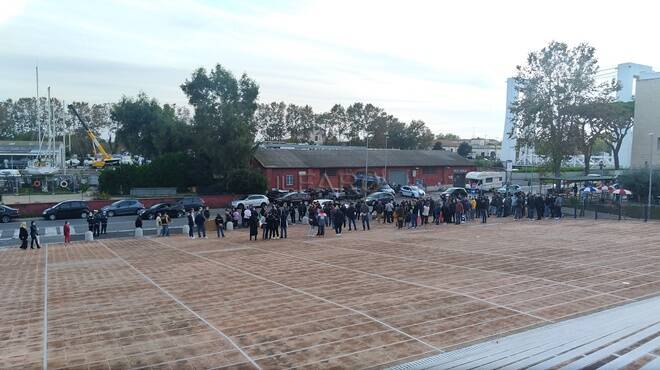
[365, 299]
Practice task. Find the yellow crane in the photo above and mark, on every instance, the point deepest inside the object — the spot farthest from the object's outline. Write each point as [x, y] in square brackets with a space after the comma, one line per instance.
[105, 158]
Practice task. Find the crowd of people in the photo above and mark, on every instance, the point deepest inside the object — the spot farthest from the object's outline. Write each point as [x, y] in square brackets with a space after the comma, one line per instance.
[273, 220]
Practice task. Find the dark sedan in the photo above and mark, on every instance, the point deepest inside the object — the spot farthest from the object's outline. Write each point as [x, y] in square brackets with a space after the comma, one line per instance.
[174, 210]
[379, 196]
[124, 207]
[294, 197]
[7, 214]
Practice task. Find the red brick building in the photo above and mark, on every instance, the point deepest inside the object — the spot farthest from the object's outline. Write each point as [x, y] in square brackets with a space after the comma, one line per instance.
[297, 167]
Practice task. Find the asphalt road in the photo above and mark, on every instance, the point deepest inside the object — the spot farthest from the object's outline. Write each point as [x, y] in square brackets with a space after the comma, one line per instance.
[51, 231]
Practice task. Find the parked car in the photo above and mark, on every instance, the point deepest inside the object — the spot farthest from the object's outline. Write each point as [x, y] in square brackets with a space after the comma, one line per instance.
[189, 203]
[350, 193]
[7, 214]
[252, 200]
[67, 209]
[323, 202]
[387, 189]
[379, 196]
[275, 193]
[294, 197]
[412, 191]
[123, 207]
[455, 191]
[511, 189]
[175, 210]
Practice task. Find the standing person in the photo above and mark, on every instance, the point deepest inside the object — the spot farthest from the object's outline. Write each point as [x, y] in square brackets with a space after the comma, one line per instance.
[364, 213]
[236, 217]
[321, 220]
[338, 220]
[199, 222]
[351, 214]
[459, 212]
[138, 222]
[292, 211]
[389, 209]
[284, 218]
[220, 225]
[165, 221]
[254, 227]
[207, 213]
[425, 213]
[247, 214]
[90, 222]
[97, 223]
[559, 202]
[34, 235]
[540, 206]
[159, 225]
[302, 208]
[23, 235]
[531, 205]
[191, 224]
[104, 223]
[66, 230]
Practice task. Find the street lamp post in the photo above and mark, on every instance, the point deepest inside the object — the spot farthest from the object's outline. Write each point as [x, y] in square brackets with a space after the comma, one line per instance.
[648, 206]
[366, 166]
[386, 159]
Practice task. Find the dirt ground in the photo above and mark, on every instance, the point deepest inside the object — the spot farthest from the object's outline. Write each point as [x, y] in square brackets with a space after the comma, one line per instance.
[364, 299]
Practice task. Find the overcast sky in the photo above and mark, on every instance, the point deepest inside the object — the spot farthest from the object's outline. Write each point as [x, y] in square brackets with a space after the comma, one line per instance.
[444, 62]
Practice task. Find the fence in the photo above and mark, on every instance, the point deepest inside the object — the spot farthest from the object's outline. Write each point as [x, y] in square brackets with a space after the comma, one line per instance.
[599, 206]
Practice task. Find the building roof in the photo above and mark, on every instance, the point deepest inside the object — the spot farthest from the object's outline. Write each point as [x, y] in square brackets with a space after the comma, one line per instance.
[24, 147]
[348, 157]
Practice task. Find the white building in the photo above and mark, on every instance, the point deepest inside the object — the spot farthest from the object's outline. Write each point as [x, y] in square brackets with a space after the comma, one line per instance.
[627, 75]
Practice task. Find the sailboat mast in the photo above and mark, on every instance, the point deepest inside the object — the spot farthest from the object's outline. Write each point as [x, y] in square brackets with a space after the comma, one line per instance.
[37, 105]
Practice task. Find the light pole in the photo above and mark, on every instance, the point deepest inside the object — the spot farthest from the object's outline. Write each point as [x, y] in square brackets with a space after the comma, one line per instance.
[648, 206]
[366, 165]
[386, 158]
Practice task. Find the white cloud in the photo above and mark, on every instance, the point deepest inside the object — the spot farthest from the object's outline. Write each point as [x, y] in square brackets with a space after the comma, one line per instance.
[10, 9]
[443, 62]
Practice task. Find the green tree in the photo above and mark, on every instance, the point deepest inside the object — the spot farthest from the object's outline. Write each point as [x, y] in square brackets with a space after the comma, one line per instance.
[447, 137]
[224, 124]
[271, 121]
[464, 149]
[617, 119]
[147, 128]
[637, 181]
[300, 122]
[552, 82]
[438, 145]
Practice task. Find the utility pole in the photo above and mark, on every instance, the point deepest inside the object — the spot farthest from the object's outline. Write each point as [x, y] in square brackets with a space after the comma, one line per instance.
[386, 159]
[648, 206]
[366, 165]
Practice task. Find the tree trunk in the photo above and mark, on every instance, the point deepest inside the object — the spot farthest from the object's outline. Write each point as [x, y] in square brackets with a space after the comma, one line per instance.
[615, 151]
[557, 171]
[587, 163]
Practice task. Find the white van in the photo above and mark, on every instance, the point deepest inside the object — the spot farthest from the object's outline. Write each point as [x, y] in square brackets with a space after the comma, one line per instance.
[484, 181]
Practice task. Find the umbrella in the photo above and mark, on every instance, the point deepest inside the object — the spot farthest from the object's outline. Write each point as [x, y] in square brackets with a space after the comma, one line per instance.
[622, 192]
[590, 189]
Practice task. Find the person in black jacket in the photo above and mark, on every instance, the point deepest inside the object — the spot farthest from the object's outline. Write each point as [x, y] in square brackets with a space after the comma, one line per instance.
[199, 221]
[34, 235]
[138, 222]
[104, 223]
[220, 225]
[540, 206]
[23, 235]
[191, 224]
[283, 221]
[351, 214]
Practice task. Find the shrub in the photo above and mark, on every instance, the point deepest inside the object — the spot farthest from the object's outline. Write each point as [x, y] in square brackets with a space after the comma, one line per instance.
[245, 181]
